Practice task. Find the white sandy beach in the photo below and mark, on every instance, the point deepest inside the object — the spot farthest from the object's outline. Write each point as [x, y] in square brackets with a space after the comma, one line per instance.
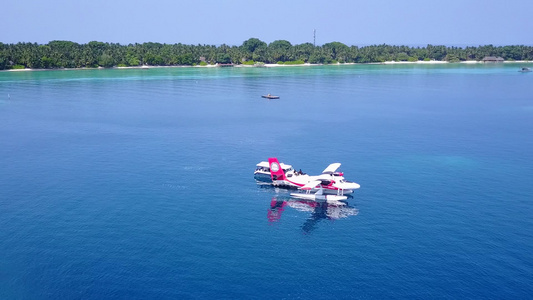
[430, 62]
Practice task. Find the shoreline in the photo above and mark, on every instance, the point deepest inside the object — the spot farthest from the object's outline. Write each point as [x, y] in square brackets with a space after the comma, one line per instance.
[274, 65]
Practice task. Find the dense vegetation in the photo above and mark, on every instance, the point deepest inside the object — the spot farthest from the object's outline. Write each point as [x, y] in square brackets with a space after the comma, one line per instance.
[65, 54]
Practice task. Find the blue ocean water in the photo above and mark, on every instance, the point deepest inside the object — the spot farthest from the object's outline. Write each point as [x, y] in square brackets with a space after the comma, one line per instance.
[137, 184]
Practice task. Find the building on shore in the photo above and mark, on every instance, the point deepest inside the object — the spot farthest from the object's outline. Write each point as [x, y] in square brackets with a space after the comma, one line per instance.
[492, 59]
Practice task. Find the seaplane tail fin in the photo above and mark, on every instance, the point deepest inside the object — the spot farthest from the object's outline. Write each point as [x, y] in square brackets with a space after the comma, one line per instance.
[276, 172]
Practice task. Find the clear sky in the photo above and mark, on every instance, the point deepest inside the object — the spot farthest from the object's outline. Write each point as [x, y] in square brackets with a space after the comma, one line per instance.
[215, 22]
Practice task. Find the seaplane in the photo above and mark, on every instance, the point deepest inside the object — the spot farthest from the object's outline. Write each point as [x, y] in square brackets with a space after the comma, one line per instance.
[331, 181]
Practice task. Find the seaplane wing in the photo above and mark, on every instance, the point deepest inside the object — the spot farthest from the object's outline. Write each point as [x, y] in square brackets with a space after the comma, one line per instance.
[332, 168]
[310, 185]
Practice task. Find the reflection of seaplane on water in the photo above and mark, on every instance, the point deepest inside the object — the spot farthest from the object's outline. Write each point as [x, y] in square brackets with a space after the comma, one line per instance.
[331, 181]
[319, 211]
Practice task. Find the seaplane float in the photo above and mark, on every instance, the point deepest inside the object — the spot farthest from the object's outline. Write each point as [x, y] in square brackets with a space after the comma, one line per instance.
[316, 188]
[319, 195]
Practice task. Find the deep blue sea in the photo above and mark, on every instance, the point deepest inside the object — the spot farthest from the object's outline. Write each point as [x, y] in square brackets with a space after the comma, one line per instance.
[138, 184]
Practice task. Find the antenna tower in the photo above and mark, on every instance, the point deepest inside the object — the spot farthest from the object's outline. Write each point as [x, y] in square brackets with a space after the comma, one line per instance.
[314, 37]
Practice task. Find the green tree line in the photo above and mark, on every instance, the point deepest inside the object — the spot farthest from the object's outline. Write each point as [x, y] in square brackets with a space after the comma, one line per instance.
[66, 54]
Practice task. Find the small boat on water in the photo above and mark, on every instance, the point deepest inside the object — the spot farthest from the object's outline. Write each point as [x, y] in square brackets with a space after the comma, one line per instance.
[525, 69]
[270, 96]
[262, 171]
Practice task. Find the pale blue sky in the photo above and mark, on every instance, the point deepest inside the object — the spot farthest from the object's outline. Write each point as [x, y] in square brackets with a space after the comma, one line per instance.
[408, 22]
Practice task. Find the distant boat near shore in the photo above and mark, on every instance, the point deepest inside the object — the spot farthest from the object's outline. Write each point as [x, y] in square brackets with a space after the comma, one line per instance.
[525, 70]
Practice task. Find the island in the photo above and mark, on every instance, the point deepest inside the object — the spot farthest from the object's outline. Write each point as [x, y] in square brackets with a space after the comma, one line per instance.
[252, 52]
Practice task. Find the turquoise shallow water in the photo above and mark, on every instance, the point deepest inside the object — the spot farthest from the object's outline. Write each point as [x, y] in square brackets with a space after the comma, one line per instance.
[138, 183]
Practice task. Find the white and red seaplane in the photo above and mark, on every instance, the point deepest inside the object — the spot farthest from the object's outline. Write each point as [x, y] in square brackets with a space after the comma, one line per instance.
[331, 181]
